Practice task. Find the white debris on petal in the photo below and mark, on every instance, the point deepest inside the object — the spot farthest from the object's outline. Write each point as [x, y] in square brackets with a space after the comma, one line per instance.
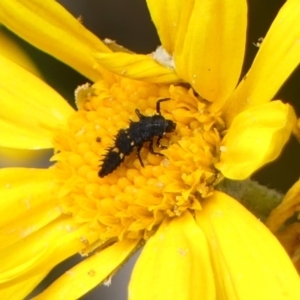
[81, 131]
[92, 273]
[223, 149]
[108, 41]
[107, 281]
[84, 241]
[27, 231]
[183, 252]
[27, 202]
[69, 228]
[160, 184]
[165, 162]
[112, 45]
[70, 272]
[259, 42]
[163, 57]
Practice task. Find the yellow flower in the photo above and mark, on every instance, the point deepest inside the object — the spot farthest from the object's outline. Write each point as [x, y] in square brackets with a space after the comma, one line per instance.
[198, 242]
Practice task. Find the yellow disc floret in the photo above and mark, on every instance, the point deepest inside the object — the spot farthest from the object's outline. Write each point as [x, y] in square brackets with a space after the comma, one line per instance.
[132, 200]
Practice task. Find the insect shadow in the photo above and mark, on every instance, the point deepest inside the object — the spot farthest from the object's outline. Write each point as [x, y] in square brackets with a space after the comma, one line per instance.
[134, 137]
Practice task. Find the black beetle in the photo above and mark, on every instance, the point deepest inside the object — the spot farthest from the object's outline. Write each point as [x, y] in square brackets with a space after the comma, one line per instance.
[145, 130]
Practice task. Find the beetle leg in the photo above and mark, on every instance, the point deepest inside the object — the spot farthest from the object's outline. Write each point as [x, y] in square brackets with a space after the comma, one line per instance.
[158, 104]
[138, 150]
[158, 143]
[138, 113]
[151, 149]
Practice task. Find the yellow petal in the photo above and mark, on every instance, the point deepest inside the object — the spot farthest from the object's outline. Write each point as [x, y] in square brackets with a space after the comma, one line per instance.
[41, 249]
[278, 56]
[26, 224]
[286, 209]
[20, 258]
[89, 273]
[30, 109]
[167, 23]
[248, 261]
[22, 287]
[210, 46]
[136, 66]
[174, 264]
[256, 137]
[23, 189]
[49, 27]
[31, 259]
[11, 48]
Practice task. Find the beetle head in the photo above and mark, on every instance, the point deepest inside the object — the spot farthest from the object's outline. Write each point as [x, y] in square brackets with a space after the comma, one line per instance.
[171, 126]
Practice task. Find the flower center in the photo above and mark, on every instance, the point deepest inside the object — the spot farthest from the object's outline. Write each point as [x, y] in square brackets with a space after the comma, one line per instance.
[133, 199]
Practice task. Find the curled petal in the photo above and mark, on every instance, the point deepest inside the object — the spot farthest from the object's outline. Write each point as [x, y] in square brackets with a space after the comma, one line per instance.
[248, 261]
[296, 130]
[30, 109]
[179, 251]
[255, 138]
[289, 237]
[51, 28]
[278, 56]
[286, 209]
[136, 66]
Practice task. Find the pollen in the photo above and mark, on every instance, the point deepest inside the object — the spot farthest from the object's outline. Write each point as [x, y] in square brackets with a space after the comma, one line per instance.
[133, 200]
